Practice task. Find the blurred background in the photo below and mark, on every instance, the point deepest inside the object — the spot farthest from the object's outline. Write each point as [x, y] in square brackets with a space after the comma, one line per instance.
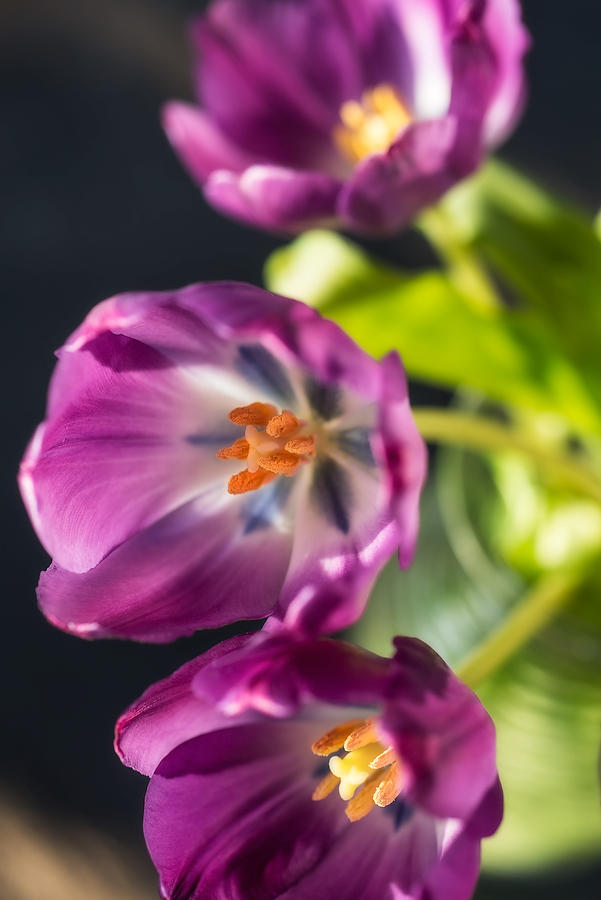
[95, 203]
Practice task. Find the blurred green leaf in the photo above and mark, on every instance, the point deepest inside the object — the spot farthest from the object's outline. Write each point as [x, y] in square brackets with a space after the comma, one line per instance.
[442, 337]
[547, 255]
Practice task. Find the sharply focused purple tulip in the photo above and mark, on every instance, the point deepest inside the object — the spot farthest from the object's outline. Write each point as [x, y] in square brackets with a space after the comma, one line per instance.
[349, 113]
[214, 454]
[311, 769]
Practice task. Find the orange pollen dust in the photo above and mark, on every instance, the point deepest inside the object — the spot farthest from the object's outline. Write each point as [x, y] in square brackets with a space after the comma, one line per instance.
[372, 124]
[369, 774]
[273, 444]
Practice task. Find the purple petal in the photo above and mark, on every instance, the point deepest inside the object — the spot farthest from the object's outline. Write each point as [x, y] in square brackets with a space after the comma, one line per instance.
[404, 454]
[442, 732]
[168, 714]
[251, 90]
[229, 814]
[510, 41]
[387, 190]
[275, 198]
[277, 672]
[117, 440]
[200, 144]
[190, 570]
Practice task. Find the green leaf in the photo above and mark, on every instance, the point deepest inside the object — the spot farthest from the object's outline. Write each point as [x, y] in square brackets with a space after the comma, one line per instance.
[442, 336]
[546, 254]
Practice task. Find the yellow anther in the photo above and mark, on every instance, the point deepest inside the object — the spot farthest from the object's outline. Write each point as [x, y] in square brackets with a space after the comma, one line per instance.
[360, 737]
[334, 739]
[372, 125]
[384, 759]
[362, 803]
[390, 787]
[325, 787]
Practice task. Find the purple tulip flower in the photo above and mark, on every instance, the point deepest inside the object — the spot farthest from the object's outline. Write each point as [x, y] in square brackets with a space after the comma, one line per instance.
[348, 113]
[311, 769]
[214, 454]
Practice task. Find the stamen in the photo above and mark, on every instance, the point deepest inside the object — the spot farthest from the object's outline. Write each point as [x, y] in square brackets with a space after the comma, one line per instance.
[253, 414]
[390, 787]
[325, 787]
[303, 446]
[238, 450]
[334, 739]
[372, 125]
[283, 425]
[281, 463]
[247, 481]
[367, 775]
[263, 446]
[384, 759]
[362, 803]
[365, 734]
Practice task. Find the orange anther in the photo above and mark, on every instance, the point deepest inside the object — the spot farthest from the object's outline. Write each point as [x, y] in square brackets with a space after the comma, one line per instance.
[361, 737]
[325, 787]
[362, 803]
[281, 463]
[303, 446]
[390, 787]
[283, 425]
[254, 414]
[247, 481]
[384, 759]
[238, 450]
[335, 738]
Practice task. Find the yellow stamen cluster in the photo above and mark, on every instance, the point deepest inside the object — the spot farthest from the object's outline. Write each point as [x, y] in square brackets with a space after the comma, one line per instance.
[372, 125]
[273, 444]
[367, 766]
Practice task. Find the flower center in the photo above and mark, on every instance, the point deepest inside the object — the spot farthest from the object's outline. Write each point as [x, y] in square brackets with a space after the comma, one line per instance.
[371, 126]
[367, 765]
[273, 444]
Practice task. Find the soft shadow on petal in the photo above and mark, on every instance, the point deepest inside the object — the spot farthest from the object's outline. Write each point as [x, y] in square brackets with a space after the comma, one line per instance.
[196, 568]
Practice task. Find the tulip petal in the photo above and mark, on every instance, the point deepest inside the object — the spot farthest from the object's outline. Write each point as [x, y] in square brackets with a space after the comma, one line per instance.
[274, 197]
[168, 714]
[120, 451]
[199, 567]
[387, 190]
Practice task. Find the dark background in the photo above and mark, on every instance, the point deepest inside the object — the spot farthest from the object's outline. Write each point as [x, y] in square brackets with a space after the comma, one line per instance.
[94, 203]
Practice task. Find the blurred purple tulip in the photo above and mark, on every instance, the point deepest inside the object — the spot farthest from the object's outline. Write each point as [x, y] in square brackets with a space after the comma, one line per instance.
[346, 113]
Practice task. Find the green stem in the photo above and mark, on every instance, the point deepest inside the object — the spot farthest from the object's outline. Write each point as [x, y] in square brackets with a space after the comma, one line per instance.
[465, 268]
[448, 426]
[536, 609]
